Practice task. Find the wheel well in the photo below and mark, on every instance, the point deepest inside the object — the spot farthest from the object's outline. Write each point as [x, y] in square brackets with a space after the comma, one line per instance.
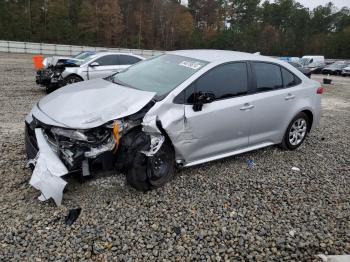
[310, 116]
[75, 75]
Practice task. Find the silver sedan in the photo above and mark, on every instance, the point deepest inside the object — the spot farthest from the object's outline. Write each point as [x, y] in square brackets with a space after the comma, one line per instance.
[182, 108]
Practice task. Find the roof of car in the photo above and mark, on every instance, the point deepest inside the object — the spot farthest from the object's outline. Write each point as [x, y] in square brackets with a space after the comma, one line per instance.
[103, 53]
[220, 55]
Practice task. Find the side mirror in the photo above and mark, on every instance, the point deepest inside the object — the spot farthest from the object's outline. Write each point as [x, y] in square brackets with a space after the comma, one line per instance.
[93, 64]
[202, 98]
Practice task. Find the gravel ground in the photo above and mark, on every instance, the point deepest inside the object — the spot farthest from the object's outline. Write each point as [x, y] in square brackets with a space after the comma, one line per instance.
[216, 211]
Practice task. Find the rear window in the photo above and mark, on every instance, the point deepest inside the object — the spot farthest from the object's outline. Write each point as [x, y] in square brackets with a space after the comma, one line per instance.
[289, 79]
[128, 60]
[268, 76]
[107, 60]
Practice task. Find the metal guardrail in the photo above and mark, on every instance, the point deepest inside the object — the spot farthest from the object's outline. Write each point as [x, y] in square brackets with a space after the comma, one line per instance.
[64, 50]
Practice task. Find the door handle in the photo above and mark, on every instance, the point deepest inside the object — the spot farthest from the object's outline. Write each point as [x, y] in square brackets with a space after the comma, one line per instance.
[289, 97]
[247, 106]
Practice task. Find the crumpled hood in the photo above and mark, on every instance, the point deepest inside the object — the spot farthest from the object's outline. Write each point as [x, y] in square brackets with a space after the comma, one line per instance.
[92, 103]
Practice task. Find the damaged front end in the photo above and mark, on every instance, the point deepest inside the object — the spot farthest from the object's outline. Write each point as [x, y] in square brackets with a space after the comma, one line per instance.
[73, 147]
[109, 146]
[51, 76]
[43, 76]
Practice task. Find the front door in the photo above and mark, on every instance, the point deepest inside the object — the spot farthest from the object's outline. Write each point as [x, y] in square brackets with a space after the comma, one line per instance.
[221, 126]
[107, 65]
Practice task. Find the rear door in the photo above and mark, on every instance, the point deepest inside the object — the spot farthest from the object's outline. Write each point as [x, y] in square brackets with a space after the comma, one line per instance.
[274, 99]
[107, 65]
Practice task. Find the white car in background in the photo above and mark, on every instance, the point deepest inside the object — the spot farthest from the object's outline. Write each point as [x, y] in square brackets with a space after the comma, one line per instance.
[309, 59]
[346, 71]
[96, 65]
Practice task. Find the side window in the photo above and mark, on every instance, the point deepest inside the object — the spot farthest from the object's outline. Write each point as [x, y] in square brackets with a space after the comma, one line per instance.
[225, 81]
[108, 60]
[128, 60]
[186, 96]
[268, 76]
[289, 79]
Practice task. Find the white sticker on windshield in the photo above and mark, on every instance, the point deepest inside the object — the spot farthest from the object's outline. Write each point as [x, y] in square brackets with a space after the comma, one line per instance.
[193, 65]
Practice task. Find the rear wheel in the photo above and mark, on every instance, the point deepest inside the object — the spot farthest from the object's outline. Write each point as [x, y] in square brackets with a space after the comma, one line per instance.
[296, 132]
[148, 172]
[73, 79]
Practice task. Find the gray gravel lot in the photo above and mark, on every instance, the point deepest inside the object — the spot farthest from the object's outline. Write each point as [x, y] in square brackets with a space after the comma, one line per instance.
[216, 211]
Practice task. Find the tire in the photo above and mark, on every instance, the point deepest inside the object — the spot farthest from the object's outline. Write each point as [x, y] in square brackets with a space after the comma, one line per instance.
[73, 79]
[145, 173]
[296, 132]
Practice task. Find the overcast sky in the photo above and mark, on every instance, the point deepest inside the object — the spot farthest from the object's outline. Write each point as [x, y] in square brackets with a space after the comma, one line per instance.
[313, 3]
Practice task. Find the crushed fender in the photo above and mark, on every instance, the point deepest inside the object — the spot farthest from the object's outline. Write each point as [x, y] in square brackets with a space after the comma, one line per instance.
[156, 143]
[48, 171]
[149, 126]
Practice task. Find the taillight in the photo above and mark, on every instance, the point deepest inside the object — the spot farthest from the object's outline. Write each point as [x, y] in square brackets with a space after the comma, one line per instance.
[320, 90]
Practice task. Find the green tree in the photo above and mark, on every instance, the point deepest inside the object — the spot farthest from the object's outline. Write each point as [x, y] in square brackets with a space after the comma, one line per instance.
[87, 23]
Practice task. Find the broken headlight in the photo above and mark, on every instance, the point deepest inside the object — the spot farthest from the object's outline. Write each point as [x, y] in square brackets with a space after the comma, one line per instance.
[69, 133]
[122, 126]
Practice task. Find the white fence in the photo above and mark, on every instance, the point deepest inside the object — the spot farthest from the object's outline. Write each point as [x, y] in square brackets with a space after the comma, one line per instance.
[64, 50]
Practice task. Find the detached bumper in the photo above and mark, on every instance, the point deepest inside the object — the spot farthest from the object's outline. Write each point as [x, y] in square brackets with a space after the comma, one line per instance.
[53, 158]
[48, 171]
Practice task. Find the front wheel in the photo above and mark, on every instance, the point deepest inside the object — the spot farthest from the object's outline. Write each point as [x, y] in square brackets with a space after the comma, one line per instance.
[73, 79]
[296, 132]
[149, 172]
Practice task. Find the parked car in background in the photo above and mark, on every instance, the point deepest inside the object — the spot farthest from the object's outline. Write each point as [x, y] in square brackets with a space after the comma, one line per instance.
[97, 65]
[53, 64]
[180, 108]
[335, 68]
[293, 59]
[316, 67]
[309, 59]
[346, 71]
[306, 71]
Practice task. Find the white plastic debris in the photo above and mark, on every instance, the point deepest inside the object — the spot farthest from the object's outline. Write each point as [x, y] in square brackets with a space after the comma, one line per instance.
[294, 168]
[48, 171]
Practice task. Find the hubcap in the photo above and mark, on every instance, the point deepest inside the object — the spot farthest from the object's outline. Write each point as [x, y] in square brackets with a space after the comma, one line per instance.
[297, 131]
